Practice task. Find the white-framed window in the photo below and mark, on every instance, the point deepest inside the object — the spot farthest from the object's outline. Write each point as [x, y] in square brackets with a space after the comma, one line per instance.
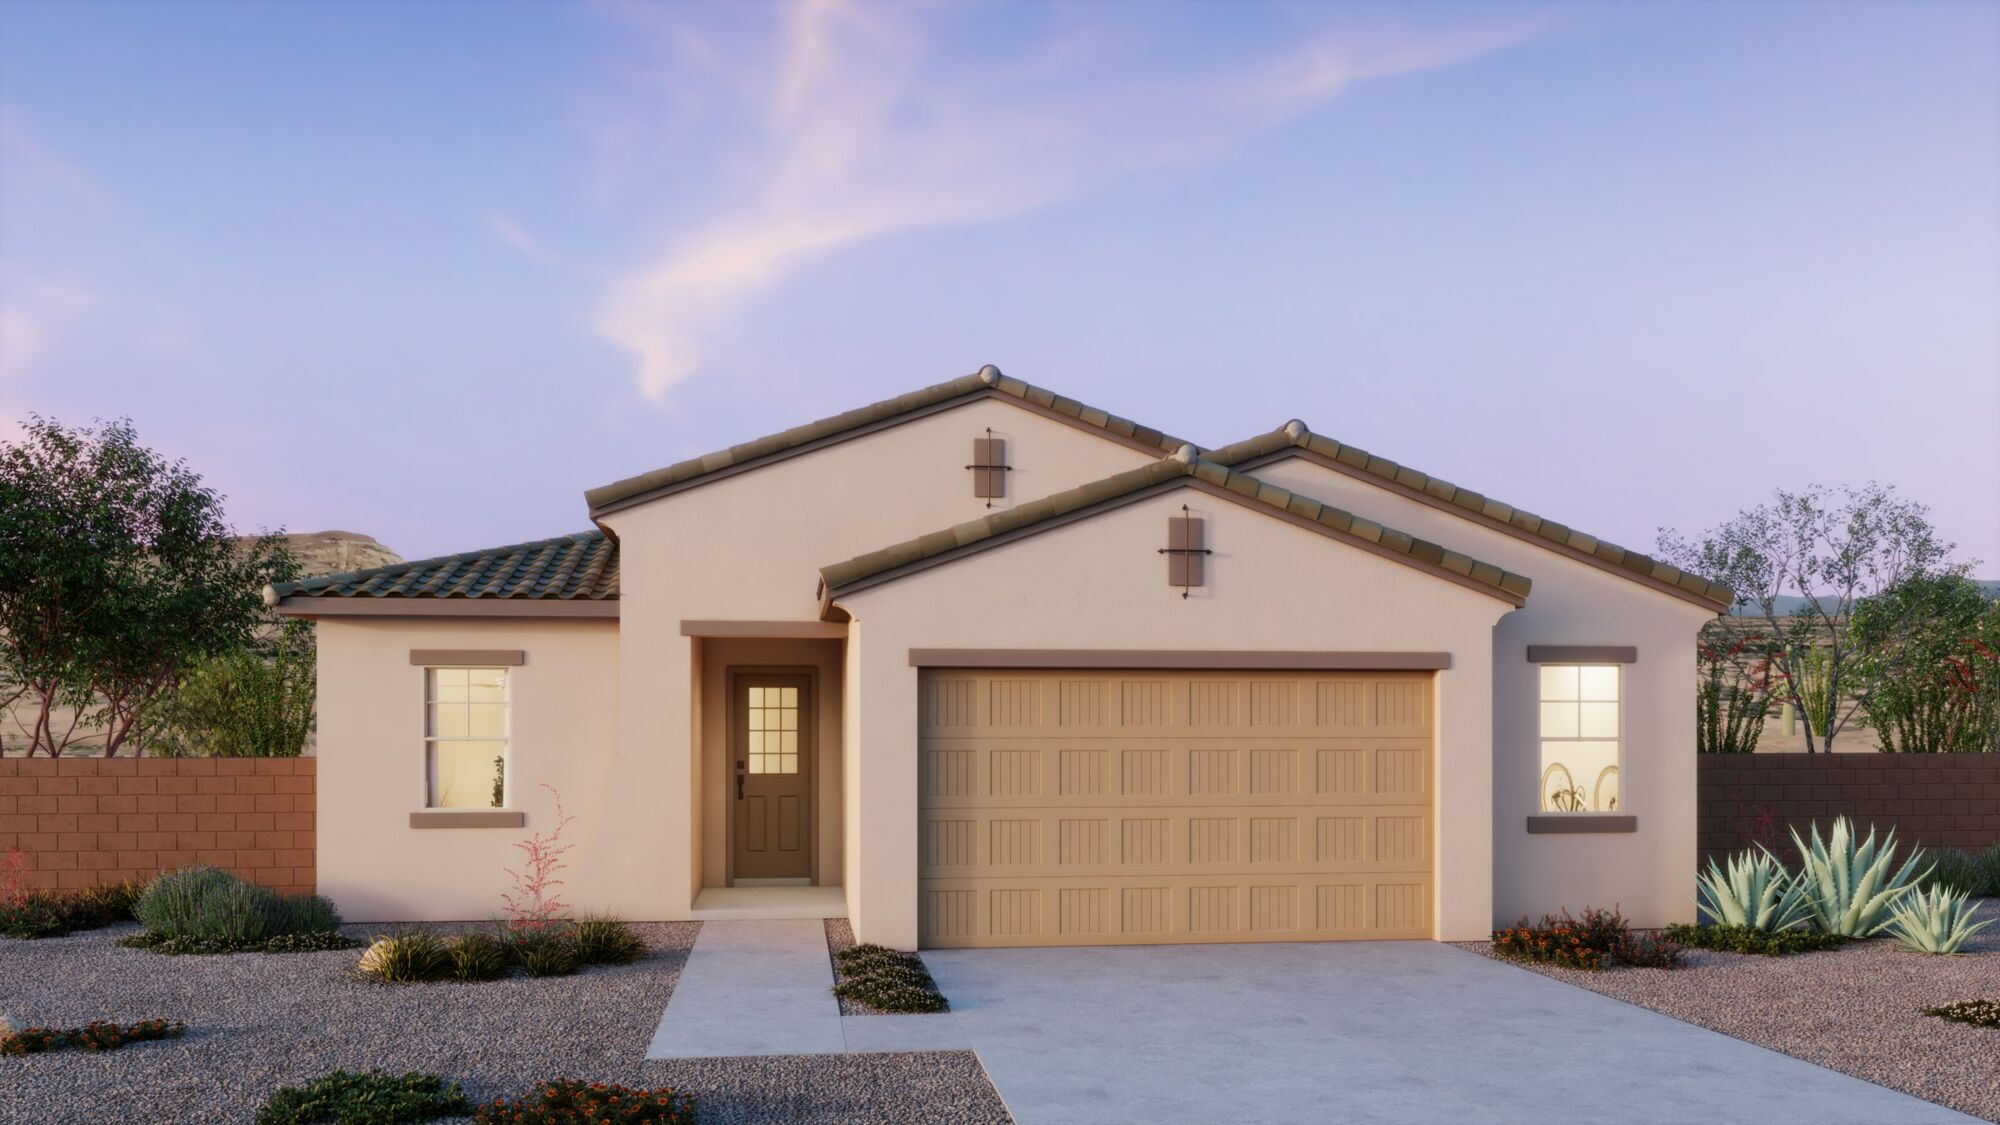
[465, 738]
[1581, 721]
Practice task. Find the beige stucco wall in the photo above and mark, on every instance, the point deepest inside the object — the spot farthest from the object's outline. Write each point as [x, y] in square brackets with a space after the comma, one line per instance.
[1649, 873]
[720, 656]
[563, 704]
[749, 547]
[1098, 584]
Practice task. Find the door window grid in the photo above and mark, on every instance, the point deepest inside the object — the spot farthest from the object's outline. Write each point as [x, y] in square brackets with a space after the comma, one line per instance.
[773, 729]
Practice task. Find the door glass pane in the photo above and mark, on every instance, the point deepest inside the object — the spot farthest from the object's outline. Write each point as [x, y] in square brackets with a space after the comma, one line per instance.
[771, 725]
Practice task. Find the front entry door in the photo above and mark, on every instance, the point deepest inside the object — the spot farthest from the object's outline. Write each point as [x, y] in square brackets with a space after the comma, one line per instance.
[771, 745]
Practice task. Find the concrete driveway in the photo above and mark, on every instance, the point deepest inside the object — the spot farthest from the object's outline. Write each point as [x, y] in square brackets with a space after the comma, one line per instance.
[1361, 1032]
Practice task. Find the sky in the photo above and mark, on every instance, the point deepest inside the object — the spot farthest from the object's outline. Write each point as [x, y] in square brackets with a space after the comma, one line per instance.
[427, 271]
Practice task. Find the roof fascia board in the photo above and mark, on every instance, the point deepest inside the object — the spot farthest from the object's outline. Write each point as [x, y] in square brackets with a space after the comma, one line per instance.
[1199, 659]
[1252, 464]
[827, 596]
[976, 394]
[309, 608]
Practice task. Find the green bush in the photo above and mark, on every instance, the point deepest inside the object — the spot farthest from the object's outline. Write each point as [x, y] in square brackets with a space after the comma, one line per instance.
[312, 941]
[207, 910]
[254, 702]
[477, 956]
[97, 1035]
[1955, 871]
[566, 1100]
[886, 980]
[600, 939]
[406, 957]
[1978, 1013]
[542, 952]
[1598, 940]
[40, 914]
[1749, 939]
[368, 1098]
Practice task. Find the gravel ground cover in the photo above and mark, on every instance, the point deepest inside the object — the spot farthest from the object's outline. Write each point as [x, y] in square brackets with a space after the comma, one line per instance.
[258, 1021]
[1857, 1009]
[839, 936]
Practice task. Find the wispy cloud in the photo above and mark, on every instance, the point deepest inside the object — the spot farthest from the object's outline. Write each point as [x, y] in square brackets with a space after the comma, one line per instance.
[847, 122]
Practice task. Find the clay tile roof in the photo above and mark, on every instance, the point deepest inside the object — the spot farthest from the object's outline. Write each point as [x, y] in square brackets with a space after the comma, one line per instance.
[1466, 502]
[858, 572]
[579, 566]
[987, 380]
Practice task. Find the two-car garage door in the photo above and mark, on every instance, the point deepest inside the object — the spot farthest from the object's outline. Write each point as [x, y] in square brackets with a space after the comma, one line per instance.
[1117, 808]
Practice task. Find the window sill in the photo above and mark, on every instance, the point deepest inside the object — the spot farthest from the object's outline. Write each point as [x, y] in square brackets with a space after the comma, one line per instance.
[1563, 823]
[468, 818]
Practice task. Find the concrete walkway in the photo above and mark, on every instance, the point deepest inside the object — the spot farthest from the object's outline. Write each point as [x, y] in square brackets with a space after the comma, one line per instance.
[1361, 1032]
[766, 988]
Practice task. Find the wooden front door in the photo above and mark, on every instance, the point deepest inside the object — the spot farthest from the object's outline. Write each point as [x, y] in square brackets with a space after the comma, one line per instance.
[771, 750]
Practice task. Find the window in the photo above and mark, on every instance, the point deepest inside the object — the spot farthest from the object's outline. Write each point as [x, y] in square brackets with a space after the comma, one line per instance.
[774, 729]
[465, 737]
[1580, 726]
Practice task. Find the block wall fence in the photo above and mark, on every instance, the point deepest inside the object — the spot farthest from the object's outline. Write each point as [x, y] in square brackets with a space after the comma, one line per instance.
[1937, 800]
[84, 821]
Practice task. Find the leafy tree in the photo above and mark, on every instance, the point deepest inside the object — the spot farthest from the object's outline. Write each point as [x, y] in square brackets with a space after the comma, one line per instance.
[118, 573]
[1932, 664]
[1831, 548]
[1732, 688]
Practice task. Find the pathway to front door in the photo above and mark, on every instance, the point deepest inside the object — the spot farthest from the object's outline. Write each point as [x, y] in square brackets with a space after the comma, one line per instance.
[766, 988]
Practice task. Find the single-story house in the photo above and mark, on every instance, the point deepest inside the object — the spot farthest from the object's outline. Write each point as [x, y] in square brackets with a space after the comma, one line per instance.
[1006, 669]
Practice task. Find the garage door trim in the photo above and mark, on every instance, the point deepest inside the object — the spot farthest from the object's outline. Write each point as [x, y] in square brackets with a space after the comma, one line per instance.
[1193, 661]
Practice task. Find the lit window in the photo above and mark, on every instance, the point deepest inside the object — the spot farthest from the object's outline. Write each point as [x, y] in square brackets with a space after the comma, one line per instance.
[465, 737]
[1580, 737]
[774, 729]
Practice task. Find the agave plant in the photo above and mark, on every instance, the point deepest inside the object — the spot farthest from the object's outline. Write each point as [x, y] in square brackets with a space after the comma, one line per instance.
[1756, 892]
[1852, 886]
[1935, 920]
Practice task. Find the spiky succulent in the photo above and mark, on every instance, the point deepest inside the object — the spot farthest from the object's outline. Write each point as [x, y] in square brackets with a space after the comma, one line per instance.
[1935, 920]
[1756, 891]
[1852, 885]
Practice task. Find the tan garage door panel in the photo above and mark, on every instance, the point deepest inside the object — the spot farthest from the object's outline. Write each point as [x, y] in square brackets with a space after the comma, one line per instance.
[1109, 808]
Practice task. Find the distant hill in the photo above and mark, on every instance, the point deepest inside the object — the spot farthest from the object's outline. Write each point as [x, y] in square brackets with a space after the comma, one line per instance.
[1788, 605]
[338, 552]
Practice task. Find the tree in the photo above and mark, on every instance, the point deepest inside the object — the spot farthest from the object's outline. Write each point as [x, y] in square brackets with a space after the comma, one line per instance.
[117, 574]
[1930, 664]
[254, 702]
[1830, 549]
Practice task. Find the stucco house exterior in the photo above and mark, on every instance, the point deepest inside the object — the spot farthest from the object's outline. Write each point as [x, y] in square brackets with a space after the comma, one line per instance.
[1006, 669]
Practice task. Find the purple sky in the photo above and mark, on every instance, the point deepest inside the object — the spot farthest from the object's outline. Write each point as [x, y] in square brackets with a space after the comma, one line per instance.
[429, 271]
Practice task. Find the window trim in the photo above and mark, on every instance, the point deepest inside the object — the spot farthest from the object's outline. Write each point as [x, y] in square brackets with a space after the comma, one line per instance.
[1542, 741]
[430, 741]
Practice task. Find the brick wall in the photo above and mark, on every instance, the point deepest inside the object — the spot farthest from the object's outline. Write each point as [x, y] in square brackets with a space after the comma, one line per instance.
[1938, 800]
[84, 821]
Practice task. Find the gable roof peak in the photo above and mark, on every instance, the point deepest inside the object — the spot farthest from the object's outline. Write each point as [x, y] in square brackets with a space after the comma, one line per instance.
[990, 375]
[1295, 429]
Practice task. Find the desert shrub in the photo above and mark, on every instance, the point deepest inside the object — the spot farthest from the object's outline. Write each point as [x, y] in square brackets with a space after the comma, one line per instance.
[311, 941]
[406, 957]
[601, 939]
[1851, 883]
[1989, 869]
[250, 702]
[1978, 1013]
[97, 1035]
[38, 914]
[1954, 870]
[208, 910]
[1935, 921]
[1597, 940]
[1748, 939]
[567, 1100]
[543, 952]
[1755, 891]
[886, 980]
[368, 1098]
[477, 956]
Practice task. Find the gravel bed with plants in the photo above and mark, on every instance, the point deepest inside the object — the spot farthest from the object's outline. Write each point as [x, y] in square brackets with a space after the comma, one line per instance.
[257, 1021]
[1858, 1009]
[900, 980]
